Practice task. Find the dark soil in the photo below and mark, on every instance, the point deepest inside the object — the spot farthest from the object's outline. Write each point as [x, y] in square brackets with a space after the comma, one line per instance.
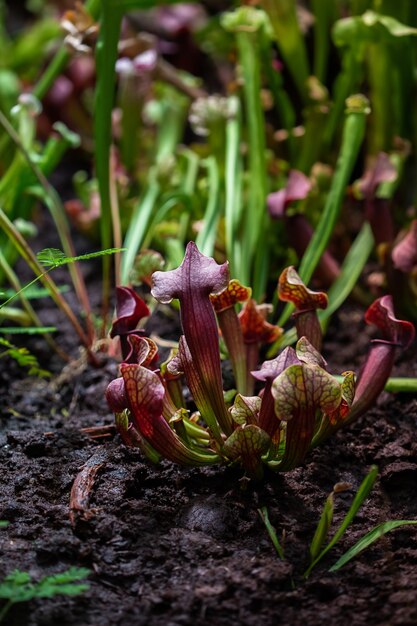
[167, 545]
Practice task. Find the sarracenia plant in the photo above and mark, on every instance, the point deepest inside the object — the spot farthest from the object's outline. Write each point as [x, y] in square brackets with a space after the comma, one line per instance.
[299, 403]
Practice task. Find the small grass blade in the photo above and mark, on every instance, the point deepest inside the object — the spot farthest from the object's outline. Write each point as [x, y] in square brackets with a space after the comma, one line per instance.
[263, 512]
[358, 500]
[368, 540]
[323, 527]
[325, 521]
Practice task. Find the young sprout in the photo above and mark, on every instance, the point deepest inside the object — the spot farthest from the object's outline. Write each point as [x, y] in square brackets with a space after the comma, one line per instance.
[299, 403]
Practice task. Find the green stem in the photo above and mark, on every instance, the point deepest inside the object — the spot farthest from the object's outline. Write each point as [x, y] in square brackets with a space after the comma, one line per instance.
[284, 21]
[381, 75]
[282, 101]
[106, 56]
[361, 495]
[233, 189]
[49, 76]
[353, 134]
[138, 226]
[206, 238]
[257, 183]
[347, 82]
[324, 13]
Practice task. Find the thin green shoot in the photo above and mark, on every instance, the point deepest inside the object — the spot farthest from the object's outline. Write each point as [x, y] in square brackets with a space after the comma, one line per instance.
[53, 258]
[263, 513]
[368, 539]
[325, 521]
[291, 43]
[61, 59]
[358, 500]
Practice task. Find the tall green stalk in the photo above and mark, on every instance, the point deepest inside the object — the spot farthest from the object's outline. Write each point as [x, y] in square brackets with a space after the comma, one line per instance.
[106, 56]
[247, 23]
[283, 17]
[324, 14]
[233, 189]
[353, 134]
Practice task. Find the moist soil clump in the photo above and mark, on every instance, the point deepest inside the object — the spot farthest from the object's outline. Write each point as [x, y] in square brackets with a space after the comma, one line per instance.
[167, 545]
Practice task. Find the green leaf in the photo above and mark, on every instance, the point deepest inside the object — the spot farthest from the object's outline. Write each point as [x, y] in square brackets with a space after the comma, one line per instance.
[24, 358]
[368, 540]
[4, 523]
[18, 585]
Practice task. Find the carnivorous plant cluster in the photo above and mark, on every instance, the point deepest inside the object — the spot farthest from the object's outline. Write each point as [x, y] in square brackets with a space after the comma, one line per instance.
[297, 404]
